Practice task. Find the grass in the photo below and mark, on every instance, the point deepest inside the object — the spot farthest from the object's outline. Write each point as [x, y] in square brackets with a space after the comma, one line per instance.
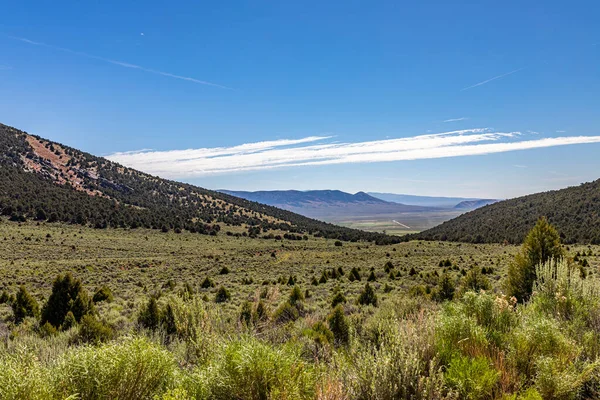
[481, 345]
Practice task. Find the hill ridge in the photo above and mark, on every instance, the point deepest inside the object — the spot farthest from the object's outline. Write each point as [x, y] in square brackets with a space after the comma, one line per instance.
[575, 211]
[45, 180]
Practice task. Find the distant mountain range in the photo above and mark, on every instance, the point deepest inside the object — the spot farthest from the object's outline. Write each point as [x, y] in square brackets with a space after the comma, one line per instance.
[341, 207]
[432, 201]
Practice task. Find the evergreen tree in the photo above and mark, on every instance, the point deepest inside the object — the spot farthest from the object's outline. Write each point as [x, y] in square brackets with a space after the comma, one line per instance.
[338, 324]
[24, 306]
[149, 316]
[368, 296]
[446, 288]
[67, 295]
[541, 245]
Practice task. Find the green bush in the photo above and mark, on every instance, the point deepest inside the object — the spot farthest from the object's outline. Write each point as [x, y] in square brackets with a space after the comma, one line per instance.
[67, 295]
[367, 296]
[446, 288]
[338, 298]
[472, 378]
[251, 369]
[91, 330]
[285, 313]
[475, 281]
[339, 326]
[103, 294]
[541, 245]
[207, 283]
[132, 369]
[246, 313]
[296, 296]
[222, 295]
[149, 315]
[24, 306]
[320, 334]
[354, 275]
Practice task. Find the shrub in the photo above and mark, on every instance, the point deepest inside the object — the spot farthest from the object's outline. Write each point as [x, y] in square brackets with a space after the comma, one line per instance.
[338, 243]
[354, 275]
[207, 283]
[472, 378]
[245, 316]
[446, 288]
[132, 369]
[93, 331]
[69, 321]
[103, 294]
[541, 245]
[296, 296]
[224, 271]
[67, 295]
[338, 298]
[367, 296]
[222, 295]
[251, 369]
[4, 297]
[261, 312]
[168, 321]
[24, 306]
[320, 334]
[149, 316]
[475, 281]
[371, 277]
[323, 278]
[285, 313]
[339, 326]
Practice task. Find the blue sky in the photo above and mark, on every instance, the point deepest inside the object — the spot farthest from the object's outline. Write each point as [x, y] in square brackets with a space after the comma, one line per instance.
[355, 78]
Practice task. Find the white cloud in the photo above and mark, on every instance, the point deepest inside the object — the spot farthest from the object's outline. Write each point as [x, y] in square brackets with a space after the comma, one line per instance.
[317, 150]
[120, 63]
[492, 79]
[456, 119]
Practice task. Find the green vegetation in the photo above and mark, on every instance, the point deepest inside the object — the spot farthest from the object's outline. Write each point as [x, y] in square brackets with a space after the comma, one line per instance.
[45, 181]
[574, 212]
[156, 328]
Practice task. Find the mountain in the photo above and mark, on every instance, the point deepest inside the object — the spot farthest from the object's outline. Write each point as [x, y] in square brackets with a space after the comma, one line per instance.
[48, 181]
[474, 204]
[575, 211]
[296, 198]
[425, 201]
[330, 205]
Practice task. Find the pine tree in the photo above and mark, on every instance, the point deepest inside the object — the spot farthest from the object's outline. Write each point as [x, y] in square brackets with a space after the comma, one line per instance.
[338, 324]
[368, 296]
[24, 306]
[541, 245]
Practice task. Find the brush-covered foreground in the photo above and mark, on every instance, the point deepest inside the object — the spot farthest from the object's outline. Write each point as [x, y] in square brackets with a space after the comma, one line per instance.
[183, 316]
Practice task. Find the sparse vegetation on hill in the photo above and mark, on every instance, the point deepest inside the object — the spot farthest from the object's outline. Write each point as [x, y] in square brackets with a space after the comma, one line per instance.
[46, 181]
[574, 211]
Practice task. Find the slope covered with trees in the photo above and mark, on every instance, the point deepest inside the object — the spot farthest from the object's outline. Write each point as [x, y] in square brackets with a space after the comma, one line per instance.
[48, 181]
[575, 211]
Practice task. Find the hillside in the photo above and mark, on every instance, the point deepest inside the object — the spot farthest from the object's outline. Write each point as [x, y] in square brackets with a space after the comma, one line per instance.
[575, 211]
[47, 181]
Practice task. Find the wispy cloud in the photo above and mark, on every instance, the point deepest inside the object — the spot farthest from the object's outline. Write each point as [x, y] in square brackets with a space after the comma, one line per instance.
[4, 67]
[492, 79]
[456, 119]
[119, 63]
[320, 150]
[519, 166]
